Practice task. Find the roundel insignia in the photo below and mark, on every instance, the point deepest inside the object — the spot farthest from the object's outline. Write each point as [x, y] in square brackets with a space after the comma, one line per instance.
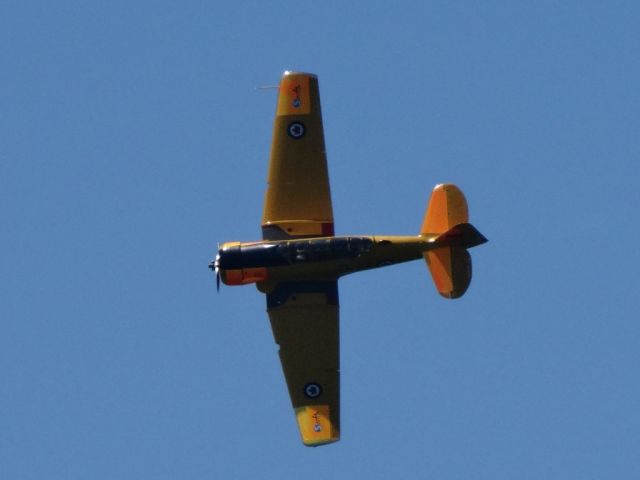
[312, 390]
[296, 130]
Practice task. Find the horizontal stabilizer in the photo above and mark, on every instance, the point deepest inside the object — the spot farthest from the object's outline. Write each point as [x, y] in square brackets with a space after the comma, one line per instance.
[447, 224]
[447, 208]
[450, 269]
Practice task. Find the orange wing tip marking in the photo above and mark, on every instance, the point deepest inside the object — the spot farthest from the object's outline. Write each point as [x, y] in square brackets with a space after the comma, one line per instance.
[314, 422]
[294, 97]
[289, 73]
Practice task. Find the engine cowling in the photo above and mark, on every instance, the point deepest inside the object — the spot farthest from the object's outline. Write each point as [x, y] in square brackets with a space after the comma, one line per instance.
[231, 266]
[243, 276]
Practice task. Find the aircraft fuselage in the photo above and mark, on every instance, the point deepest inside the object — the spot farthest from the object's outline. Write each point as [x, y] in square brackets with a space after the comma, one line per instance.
[324, 257]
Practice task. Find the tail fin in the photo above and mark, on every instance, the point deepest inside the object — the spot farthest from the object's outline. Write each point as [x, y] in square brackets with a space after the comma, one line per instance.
[447, 219]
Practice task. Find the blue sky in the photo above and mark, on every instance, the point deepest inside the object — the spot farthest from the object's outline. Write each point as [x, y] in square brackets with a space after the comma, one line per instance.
[133, 138]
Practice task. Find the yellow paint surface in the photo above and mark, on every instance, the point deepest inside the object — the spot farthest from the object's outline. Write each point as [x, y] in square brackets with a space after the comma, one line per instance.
[294, 98]
[315, 425]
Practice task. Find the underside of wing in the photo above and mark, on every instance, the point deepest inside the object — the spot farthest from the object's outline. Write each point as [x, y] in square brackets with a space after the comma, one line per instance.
[298, 199]
[304, 318]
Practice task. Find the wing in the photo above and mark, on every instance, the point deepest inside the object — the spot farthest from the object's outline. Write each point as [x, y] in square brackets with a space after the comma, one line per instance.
[298, 199]
[304, 318]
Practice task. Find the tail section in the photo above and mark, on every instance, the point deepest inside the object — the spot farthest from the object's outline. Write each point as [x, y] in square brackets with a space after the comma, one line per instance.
[447, 220]
[450, 269]
[447, 208]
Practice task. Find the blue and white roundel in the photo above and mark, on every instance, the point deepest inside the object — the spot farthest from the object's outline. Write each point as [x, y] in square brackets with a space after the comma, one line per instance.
[312, 390]
[296, 130]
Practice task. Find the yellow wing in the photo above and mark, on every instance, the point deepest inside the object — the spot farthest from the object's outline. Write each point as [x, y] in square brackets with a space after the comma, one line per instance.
[298, 199]
[304, 318]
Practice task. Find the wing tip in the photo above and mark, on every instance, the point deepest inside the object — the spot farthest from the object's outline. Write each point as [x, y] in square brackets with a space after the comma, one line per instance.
[316, 425]
[319, 443]
[292, 73]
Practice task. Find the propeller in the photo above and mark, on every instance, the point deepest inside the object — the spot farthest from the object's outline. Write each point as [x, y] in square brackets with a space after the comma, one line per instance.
[215, 266]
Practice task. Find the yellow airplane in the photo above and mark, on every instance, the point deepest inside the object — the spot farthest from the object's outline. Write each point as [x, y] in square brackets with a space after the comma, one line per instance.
[299, 261]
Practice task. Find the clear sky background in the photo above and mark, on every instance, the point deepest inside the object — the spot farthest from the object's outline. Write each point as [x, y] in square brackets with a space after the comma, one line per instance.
[133, 138]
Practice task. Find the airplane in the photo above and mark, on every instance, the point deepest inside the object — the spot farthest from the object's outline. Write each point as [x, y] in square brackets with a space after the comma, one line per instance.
[299, 260]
